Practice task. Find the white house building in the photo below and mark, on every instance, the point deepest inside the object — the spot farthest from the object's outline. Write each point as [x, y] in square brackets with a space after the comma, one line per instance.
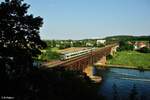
[100, 41]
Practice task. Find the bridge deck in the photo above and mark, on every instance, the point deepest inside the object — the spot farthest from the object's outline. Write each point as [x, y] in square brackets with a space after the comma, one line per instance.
[52, 64]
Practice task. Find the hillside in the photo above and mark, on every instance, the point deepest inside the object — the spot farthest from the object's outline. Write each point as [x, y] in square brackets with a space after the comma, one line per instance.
[128, 38]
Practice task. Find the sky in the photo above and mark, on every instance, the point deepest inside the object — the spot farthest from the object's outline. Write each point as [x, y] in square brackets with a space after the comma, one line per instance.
[80, 19]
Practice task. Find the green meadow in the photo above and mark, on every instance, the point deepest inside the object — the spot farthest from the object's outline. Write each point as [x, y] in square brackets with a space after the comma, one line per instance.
[131, 58]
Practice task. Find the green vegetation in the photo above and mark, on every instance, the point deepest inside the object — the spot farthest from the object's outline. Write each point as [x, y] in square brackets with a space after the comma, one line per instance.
[50, 54]
[144, 50]
[62, 44]
[128, 38]
[123, 45]
[19, 39]
[116, 39]
[131, 58]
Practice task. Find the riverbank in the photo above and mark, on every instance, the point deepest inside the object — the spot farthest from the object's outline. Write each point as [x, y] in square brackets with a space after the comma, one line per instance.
[130, 59]
[126, 67]
[121, 66]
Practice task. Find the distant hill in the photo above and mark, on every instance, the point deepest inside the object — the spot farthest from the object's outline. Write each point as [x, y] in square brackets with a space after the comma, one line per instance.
[128, 38]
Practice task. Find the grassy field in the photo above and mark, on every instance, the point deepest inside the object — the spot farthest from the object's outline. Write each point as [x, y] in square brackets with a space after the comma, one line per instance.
[131, 58]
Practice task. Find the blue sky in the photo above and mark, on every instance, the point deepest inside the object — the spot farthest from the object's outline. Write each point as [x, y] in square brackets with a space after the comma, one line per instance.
[79, 19]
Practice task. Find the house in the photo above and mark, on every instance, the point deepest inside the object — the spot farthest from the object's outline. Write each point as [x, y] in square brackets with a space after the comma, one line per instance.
[89, 44]
[139, 44]
[100, 41]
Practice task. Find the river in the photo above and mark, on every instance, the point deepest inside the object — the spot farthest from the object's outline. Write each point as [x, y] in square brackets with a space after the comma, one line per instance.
[124, 84]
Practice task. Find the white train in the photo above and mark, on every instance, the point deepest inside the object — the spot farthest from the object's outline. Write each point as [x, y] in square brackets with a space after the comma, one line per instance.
[69, 55]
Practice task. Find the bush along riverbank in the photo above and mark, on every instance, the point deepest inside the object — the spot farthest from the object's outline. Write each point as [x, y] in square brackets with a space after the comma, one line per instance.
[130, 59]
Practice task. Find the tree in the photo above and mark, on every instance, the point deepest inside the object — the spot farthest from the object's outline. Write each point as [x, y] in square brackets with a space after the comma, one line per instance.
[19, 37]
[123, 45]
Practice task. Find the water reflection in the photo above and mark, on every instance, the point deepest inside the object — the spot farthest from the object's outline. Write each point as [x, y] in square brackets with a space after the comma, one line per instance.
[133, 95]
[115, 92]
[125, 84]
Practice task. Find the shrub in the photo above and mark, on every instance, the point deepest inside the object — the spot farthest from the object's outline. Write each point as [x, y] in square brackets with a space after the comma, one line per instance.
[123, 45]
[140, 68]
[109, 57]
[144, 50]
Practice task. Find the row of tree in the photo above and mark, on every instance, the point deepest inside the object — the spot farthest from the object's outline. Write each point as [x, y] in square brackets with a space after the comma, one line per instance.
[128, 38]
[61, 44]
[125, 45]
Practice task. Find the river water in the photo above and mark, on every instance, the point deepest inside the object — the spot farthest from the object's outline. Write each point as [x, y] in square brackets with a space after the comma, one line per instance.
[124, 84]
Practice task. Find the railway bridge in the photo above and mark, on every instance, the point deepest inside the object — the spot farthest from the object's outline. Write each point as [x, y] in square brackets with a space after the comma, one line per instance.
[81, 63]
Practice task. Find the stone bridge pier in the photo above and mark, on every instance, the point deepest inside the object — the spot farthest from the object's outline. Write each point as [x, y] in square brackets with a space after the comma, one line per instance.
[102, 61]
[114, 50]
[90, 72]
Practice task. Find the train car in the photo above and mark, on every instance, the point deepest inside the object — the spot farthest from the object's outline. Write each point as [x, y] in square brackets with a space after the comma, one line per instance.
[66, 56]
